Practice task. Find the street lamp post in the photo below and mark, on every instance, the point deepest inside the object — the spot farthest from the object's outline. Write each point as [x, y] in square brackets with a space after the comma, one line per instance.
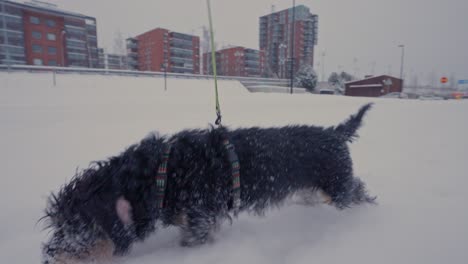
[164, 65]
[402, 60]
[292, 45]
[283, 56]
[238, 61]
[323, 66]
[64, 44]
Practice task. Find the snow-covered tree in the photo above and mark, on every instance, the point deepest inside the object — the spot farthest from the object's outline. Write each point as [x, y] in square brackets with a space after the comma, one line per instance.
[338, 80]
[346, 77]
[334, 78]
[306, 78]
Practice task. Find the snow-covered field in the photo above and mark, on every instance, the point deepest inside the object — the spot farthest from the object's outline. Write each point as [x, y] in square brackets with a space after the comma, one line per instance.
[412, 154]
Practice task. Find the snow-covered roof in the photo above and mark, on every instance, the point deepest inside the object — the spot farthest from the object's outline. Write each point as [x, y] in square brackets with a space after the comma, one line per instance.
[365, 85]
[47, 8]
[372, 77]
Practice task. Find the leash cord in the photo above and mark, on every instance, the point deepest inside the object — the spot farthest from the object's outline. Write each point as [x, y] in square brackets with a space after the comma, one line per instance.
[213, 63]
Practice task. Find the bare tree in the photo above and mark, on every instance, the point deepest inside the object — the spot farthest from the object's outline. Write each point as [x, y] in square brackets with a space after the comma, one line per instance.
[432, 79]
[413, 80]
[453, 80]
[119, 43]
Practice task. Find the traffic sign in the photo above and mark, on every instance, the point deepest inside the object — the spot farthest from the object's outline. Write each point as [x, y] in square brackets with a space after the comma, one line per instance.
[462, 81]
[444, 80]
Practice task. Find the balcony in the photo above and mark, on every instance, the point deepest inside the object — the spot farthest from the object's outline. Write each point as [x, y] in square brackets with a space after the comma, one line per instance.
[176, 69]
[132, 40]
[182, 41]
[254, 64]
[181, 36]
[181, 60]
[252, 56]
[132, 64]
[133, 55]
[14, 24]
[181, 53]
[13, 51]
[75, 36]
[132, 45]
[182, 45]
[13, 11]
[77, 23]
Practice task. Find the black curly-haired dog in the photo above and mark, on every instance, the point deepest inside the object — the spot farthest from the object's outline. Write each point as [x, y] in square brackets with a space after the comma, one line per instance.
[112, 204]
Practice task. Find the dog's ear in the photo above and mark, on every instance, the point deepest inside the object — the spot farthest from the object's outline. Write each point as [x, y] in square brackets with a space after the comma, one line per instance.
[124, 210]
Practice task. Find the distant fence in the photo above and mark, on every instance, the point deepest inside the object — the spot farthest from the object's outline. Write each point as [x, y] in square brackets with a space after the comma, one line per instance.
[445, 92]
[246, 81]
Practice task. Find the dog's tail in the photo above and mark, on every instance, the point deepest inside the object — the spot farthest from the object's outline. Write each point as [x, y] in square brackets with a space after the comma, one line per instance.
[348, 129]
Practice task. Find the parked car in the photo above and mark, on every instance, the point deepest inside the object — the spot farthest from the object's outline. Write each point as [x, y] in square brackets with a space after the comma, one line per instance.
[326, 91]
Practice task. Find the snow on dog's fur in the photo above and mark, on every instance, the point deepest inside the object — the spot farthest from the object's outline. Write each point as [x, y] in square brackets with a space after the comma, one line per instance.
[111, 205]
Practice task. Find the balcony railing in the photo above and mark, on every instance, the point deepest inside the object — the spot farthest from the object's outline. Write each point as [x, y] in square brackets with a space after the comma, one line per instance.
[132, 45]
[74, 23]
[181, 60]
[181, 46]
[252, 63]
[11, 10]
[178, 53]
[181, 36]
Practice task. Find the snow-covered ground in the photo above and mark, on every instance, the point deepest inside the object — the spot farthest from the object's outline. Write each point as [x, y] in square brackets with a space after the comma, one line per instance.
[412, 154]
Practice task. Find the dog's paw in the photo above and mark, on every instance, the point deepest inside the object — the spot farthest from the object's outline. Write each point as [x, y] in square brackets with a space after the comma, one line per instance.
[194, 242]
[311, 198]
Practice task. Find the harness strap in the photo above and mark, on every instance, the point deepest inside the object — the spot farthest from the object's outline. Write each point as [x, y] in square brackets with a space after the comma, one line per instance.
[161, 178]
[235, 173]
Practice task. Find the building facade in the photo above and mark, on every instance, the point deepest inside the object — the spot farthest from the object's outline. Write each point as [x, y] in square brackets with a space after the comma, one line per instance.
[276, 32]
[39, 33]
[161, 49]
[236, 61]
[374, 86]
[112, 61]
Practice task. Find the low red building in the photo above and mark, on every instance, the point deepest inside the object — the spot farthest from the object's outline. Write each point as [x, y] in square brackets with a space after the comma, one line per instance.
[374, 86]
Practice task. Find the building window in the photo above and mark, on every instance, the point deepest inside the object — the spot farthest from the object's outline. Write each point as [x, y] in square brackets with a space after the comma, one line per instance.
[50, 23]
[36, 35]
[52, 63]
[34, 20]
[52, 50]
[37, 62]
[37, 48]
[51, 36]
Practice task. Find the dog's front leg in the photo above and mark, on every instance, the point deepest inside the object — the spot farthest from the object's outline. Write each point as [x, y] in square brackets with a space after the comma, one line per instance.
[199, 222]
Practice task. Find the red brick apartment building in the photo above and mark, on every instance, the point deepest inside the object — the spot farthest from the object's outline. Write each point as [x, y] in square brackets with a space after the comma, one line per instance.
[276, 35]
[38, 33]
[152, 50]
[236, 61]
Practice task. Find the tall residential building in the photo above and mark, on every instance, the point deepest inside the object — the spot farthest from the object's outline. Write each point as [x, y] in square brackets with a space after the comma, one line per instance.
[236, 61]
[276, 32]
[38, 33]
[155, 49]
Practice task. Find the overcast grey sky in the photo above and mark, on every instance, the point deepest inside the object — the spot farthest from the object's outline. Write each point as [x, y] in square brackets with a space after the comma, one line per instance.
[435, 32]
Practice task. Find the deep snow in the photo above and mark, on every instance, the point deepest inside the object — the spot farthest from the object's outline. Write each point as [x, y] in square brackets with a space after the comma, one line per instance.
[412, 154]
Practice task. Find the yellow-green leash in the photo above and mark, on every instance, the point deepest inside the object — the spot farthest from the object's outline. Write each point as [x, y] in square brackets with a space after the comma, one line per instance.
[213, 63]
